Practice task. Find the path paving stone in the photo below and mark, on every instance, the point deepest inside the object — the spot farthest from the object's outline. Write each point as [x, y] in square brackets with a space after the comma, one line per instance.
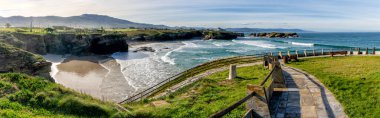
[305, 96]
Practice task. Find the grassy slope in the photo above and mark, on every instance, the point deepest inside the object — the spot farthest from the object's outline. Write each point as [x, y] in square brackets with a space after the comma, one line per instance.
[25, 96]
[205, 97]
[355, 81]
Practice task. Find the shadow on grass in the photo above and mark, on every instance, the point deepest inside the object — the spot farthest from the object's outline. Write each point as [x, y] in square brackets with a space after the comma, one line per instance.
[242, 78]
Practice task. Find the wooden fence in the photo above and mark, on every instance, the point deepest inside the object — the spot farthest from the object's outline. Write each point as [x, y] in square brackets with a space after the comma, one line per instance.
[163, 85]
[259, 95]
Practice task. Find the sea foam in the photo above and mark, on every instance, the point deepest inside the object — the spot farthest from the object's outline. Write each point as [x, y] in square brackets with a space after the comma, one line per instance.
[187, 44]
[263, 44]
[55, 60]
[301, 44]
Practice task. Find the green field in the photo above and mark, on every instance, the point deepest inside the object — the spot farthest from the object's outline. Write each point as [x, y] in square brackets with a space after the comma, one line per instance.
[128, 31]
[22, 96]
[355, 81]
[204, 97]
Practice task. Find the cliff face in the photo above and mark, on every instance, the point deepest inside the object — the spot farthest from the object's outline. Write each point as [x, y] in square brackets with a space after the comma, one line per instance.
[17, 60]
[167, 36]
[68, 43]
[274, 35]
[219, 35]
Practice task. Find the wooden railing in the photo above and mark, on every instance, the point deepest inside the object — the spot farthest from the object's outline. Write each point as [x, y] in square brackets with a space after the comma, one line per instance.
[262, 92]
[163, 85]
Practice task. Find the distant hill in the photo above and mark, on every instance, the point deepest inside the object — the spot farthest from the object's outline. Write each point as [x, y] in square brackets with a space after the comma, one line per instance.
[82, 21]
[265, 30]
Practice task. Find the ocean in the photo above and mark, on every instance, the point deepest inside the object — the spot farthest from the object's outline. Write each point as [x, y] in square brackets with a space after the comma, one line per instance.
[195, 52]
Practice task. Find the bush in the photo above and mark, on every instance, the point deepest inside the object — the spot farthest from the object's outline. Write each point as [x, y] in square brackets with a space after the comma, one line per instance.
[25, 96]
[73, 105]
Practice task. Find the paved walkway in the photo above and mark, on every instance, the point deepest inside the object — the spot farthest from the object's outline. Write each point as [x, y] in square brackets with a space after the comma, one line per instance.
[305, 96]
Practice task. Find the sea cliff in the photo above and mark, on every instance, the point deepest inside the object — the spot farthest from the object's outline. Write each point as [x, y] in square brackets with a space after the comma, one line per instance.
[76, 44]
[17, 60]
[274, 35]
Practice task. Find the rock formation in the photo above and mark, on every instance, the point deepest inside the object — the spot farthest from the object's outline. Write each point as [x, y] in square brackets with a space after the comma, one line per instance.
[144, 49]
[76, 44]
[17, 60]
[274, 35]
[219, 35]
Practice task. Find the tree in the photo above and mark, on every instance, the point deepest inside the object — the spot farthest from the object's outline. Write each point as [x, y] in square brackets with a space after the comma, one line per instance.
[49, 30]
[7, 25]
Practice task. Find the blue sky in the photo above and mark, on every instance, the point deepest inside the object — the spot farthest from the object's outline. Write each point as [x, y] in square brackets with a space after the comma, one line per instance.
[317, 15]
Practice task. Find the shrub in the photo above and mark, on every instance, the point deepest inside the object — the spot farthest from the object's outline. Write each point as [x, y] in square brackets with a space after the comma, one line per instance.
[73, 105]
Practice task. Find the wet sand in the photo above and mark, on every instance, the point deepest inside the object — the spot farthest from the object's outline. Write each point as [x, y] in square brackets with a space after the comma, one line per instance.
[81, 65]
[83, 74]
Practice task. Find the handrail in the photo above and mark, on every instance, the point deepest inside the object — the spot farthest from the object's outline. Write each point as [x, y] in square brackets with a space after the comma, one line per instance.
[267, 77]
[153, 88]
[238, 103]
[232, 107]
[145, 92]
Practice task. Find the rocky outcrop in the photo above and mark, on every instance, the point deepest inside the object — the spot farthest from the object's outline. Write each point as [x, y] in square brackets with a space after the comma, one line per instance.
[274, 35]
[219, 35]
[76, 44]
[17, 60]
[167, 36]
[144, 49]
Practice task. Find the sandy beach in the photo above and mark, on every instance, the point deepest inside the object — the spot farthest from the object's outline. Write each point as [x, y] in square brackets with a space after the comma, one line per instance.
[83, 74]
[113, 77]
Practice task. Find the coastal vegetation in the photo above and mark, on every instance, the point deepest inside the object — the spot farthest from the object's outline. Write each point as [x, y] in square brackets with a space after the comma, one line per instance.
[24, 96]
[204, 97]
[17, 60]
[354, 81]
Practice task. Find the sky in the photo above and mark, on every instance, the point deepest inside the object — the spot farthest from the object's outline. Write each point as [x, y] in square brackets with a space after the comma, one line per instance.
[315, 15]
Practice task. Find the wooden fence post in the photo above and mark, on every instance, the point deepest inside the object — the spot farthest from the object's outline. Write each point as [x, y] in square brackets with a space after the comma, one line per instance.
[322, 52]
[297, 53]
[366, 51]
[280, 54]
[256, 103]
[232, 74]
[285, 59]
[374, 51]
[359, 51]
[350, 51]
[289, 53]
[277, 76]
[305, 51]
[314, 52]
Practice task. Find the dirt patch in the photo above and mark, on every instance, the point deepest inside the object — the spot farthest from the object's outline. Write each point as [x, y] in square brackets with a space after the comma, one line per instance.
[159, 103]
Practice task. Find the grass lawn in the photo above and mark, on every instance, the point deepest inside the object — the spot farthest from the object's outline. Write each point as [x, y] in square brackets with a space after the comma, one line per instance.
[355, 81]
[204, 97]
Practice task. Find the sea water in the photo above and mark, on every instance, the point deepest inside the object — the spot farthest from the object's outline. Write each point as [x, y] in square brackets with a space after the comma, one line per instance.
[195, 52]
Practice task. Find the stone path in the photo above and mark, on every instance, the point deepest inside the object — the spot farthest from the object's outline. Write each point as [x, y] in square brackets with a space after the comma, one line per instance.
[305, 96]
